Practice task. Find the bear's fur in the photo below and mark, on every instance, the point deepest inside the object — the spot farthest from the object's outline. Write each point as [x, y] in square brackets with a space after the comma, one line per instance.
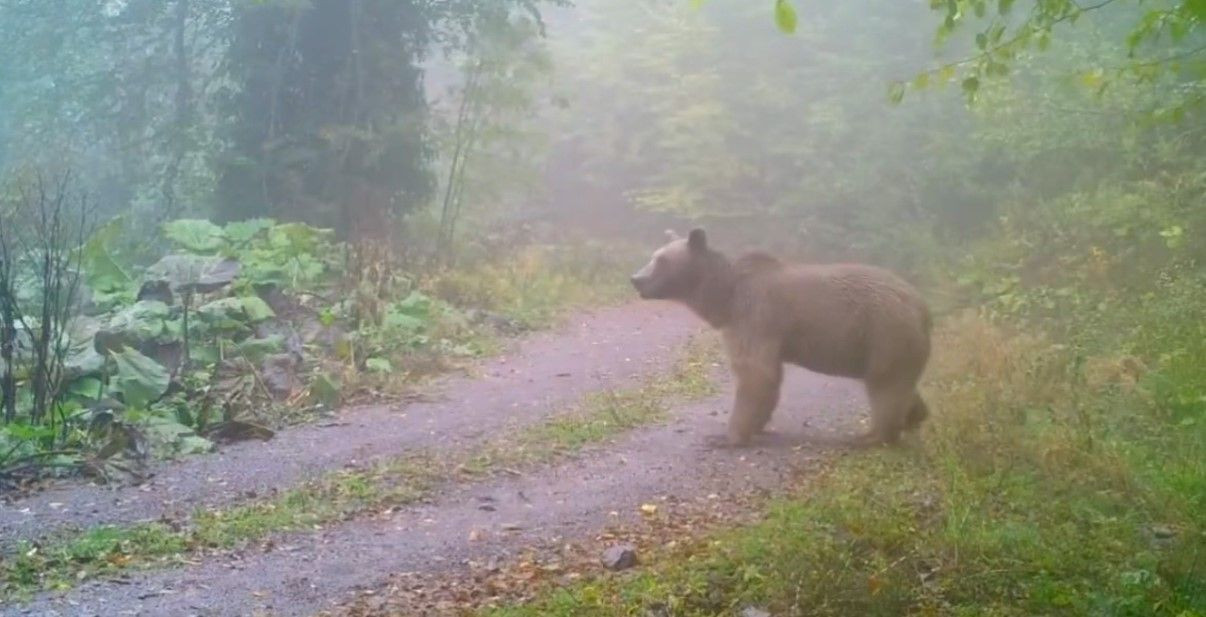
[846, 320]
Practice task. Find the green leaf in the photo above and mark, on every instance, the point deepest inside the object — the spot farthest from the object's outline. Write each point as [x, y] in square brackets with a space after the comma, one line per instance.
[193, 444]
[1093, 79]
[896, 93]
[298, 237]
[87, 388]
[102, 272]
[223, 313]
[175, 436]
[256, 349]
[417, 304]
[402, 321]
[146, 320]
[324, 390]
[142, 380]
[378, 365]
[785, 16]
[256, 309]
[196, 235]
[1173, 236]
[194, 272]
[241, 232]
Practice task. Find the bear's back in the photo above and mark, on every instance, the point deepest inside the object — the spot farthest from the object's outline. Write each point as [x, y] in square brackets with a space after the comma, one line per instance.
[837, 319]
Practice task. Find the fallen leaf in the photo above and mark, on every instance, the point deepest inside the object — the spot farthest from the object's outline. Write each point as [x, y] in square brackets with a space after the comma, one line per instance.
[874, 584]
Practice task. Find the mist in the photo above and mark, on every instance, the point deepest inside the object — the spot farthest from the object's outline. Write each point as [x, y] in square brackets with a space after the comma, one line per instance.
[290, 282]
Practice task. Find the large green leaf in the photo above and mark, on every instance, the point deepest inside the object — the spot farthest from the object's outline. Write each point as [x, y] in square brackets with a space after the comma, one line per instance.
[298, 237]
[785, 16]
[223, 314]
[101, 270]
[402, 321]
[239, 233]
[141, 379]
[142, 321]
[325, 391]
[196, 235]
[194, 272]
[249, 309]
[379, 365]
[256, 309]
[256, 349]
[169, 434]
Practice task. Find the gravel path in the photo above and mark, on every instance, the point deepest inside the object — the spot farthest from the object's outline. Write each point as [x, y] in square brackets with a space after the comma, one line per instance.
[306, 573]
[542, 373]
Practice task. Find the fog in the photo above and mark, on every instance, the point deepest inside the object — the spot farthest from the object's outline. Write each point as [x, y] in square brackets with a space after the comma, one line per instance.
[240, 239]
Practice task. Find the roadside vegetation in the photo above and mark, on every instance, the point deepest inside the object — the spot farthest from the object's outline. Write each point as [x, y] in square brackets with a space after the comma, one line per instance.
[217, 333]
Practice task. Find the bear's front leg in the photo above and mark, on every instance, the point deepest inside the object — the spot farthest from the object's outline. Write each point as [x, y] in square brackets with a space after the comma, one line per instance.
[759, 379]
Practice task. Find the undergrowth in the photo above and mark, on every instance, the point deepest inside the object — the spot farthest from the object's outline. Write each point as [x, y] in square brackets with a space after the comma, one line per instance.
[538, 283]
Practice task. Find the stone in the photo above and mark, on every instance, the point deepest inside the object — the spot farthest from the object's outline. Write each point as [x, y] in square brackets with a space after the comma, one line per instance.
[620, 557]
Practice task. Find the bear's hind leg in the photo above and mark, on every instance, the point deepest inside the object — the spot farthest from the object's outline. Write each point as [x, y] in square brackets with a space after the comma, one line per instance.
[917, 413]
[891, 404]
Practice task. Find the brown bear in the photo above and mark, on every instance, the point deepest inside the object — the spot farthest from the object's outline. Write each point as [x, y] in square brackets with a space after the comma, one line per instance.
[846, 320]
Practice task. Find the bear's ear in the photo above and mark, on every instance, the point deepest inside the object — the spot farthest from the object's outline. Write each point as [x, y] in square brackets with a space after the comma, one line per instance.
[673, 235]
[698, 240]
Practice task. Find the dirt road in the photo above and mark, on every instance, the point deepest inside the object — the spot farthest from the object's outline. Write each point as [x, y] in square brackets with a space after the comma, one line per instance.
[543, 375]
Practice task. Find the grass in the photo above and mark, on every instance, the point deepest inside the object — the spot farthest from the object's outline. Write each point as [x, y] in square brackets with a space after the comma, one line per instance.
[538, 284]
[602, 415]
[1034, 492]
[104, 551]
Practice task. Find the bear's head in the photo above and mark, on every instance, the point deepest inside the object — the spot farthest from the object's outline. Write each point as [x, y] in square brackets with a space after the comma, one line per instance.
[676, 270]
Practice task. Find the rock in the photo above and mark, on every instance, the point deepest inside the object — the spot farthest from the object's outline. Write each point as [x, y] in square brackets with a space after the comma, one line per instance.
[750, 611]
[499, 323]
[159, 291]
[657, 610]
[620, 557]
[291, 340]
[279, 373]
[236, 430]
[330, 338]
[1163, 532]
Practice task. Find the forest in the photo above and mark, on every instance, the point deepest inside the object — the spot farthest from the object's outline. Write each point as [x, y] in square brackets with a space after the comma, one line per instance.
[322, 307]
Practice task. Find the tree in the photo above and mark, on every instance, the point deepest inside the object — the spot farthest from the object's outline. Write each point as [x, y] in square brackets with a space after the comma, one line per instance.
[123, 90]
[1163, 43]
[329, 121]
[699, 114]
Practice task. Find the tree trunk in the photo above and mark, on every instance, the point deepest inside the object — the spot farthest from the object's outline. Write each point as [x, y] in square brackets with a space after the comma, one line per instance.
[184, 110]
[8, 339]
